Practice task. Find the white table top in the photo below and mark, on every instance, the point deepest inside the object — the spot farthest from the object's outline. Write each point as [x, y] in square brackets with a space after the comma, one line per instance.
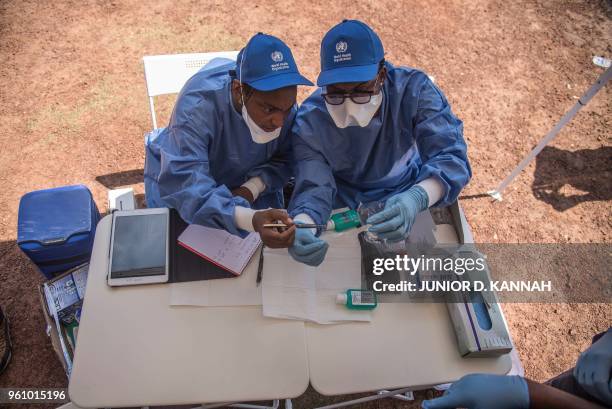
[135, 350]
[404, 345]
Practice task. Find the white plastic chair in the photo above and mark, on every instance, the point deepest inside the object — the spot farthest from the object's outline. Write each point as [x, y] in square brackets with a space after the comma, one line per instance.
[166, 74]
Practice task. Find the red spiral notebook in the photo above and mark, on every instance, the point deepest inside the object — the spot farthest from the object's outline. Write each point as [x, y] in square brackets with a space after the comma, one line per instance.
[225, 250]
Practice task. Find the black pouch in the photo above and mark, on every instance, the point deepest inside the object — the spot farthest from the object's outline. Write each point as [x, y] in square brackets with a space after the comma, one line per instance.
[186, 265]
[370, 250]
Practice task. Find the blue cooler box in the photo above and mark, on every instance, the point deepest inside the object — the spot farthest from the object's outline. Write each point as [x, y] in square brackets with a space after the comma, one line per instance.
[56, 227]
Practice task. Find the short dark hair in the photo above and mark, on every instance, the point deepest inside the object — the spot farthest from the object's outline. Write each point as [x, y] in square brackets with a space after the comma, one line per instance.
[247, 90]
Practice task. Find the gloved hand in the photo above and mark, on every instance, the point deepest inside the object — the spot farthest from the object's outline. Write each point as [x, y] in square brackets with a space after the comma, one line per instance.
[592, 370]
[482, 391]
[396, 220]
[308, 248]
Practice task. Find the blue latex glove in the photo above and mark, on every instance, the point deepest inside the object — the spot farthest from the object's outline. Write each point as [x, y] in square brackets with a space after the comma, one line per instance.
[308, 248]
[593, 368]
[396, 220]
[481, 391]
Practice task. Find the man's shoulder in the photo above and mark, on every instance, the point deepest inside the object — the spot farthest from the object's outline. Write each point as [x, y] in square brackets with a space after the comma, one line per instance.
[314, 100]
[211, 78]
[406, 76]
[205, 91]
[312, 109]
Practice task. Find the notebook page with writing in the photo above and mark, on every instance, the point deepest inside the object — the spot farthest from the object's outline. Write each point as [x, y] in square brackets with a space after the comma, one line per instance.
[220, 247]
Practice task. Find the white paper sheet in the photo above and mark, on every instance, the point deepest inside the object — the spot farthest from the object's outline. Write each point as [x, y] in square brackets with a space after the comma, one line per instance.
[297, 291]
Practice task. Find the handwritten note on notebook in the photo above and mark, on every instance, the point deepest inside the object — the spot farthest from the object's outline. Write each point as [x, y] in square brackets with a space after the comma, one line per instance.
[220, 247]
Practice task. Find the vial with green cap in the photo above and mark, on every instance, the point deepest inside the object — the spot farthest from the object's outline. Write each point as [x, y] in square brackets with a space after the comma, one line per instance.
[344, 221]
[358, 299]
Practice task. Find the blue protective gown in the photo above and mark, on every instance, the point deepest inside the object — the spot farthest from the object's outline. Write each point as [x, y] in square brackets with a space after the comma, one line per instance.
[207, 150]
[413, 136]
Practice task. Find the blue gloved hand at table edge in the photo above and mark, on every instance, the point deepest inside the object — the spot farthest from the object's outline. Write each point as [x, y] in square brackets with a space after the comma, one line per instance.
[396, 219]
[483, 391]
[592, 370]
[308, 248]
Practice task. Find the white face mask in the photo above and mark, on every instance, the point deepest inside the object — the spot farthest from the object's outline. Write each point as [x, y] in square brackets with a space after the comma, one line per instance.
[257, 134]
[351, 114]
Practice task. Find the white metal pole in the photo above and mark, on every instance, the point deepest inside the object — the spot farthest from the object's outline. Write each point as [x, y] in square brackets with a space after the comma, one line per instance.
[152, 108]
[601, 81]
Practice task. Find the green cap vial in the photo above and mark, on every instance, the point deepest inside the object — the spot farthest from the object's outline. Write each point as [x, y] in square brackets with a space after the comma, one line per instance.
[358, 299]
[344, 221]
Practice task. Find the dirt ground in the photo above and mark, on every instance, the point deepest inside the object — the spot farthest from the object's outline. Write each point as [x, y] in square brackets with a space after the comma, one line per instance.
[73, 109]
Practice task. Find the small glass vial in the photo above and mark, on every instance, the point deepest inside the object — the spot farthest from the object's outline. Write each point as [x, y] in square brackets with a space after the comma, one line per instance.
[358, 299]
[344, 221]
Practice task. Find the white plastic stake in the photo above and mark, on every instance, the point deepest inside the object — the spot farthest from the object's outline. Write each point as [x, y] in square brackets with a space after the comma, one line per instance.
[569, 115]
[602, 62]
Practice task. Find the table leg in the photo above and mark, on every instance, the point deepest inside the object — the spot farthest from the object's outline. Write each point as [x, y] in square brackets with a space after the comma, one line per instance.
[275, 405]
[380, 395]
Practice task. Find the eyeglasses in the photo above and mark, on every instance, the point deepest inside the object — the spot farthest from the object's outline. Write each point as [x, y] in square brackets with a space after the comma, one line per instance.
[361, 97]
[357, 97]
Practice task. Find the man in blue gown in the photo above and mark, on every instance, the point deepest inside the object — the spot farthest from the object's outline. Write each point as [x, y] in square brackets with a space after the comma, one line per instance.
[226, 150]
[372, 132]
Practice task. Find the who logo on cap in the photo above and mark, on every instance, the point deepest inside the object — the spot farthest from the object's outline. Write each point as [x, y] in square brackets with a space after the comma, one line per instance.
[277, 56]
[350, 52]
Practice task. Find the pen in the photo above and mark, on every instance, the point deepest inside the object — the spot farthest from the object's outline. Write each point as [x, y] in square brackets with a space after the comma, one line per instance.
[260, 266]
[298, 225]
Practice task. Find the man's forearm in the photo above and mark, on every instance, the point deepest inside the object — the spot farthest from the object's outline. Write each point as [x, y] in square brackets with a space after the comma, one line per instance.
[434, 189]
[255, 185]
[543, 396]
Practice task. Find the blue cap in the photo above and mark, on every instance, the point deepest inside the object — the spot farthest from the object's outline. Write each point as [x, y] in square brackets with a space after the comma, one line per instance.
[350, 52]
[266, 64]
